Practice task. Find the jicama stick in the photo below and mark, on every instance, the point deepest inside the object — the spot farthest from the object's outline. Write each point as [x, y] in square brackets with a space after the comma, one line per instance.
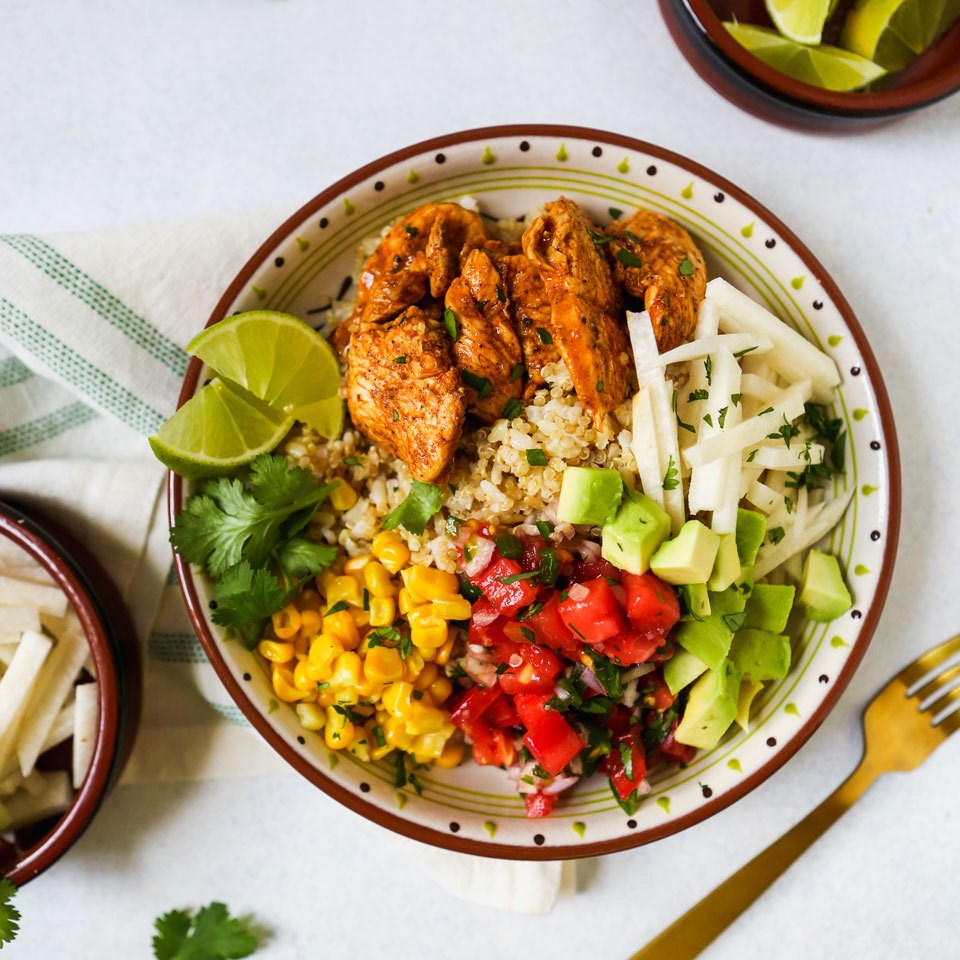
[15, 592]
[727, 497]
[18, 619]
[17, 684]
[53, 797]
[84, 730]
[781, 457]
[698, 349]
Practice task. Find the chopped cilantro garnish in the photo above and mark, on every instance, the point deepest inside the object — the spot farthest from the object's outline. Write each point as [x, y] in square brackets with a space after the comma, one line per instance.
[517, 372]
[708, 419]
[786, 432]
[708, 367]
[338, 607]
[671, 479]
[501, 296]
[421, 504]
[615, 213]
[549, 566]
[537, 457]
[698, 395]
[744, 352]
[686, 267]
[545, 528]
[628, 258]
[400, 359]
[776, 535]
[529, 634]
[512, 408]
[450, 323]
[544, 335]
[509, 546]
[626, 758]
[481, 384]
[722, 416]
[514, 577]
[412, 231]
[735, 399]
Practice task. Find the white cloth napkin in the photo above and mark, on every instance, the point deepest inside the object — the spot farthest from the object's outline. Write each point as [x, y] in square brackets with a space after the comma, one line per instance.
[92, 329]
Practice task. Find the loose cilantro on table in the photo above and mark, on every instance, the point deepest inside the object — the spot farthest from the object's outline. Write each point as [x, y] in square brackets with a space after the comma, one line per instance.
[9, 915]
[421, 504]
[211, 934]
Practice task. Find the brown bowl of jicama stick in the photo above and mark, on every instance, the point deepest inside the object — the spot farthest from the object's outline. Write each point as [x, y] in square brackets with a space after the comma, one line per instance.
[69, 690]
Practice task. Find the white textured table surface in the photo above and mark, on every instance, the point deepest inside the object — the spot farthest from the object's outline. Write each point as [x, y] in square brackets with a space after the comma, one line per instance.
[124, 111]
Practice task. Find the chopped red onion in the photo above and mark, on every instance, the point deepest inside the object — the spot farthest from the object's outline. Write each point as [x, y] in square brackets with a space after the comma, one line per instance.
[559, 784]
[577, 591]
[481, 559]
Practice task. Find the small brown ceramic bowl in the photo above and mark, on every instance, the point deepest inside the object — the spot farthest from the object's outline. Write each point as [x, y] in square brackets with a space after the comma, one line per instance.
[697, 27]
[114, 652]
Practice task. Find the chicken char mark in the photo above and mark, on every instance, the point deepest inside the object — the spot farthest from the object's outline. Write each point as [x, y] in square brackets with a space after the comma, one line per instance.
[656, 260]
[404, 391]
[585, 305]
[420, 255]
[486, 349]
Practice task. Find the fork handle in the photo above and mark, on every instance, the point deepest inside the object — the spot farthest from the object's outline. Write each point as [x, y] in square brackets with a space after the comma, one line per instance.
[687, 936]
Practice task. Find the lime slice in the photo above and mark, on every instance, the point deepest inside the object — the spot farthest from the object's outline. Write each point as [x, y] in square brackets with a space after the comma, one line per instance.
[800, 20]
[894, 32]
[827, 67]
[279, 359]
[219, 428]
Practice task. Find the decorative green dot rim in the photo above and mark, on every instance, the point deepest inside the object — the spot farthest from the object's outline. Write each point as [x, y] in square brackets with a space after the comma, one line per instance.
[511, 171]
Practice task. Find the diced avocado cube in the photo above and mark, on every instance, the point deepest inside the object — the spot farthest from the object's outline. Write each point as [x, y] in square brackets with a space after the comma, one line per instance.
[734, 599]
[694, 601]
[689, 556]
[708, 639]
[748, 690]
[751, 529]
[635, 533]
[823, 594]
[760, 655]
[681, 670]
[769, 607]
[589, 495]
[726, 567]
[711, 707]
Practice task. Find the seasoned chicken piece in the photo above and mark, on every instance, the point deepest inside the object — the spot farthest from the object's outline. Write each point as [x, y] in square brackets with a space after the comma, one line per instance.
[486, 348]
[530, 313]
[655, 259]
[421, 254]
[404, 392]
[585, 305]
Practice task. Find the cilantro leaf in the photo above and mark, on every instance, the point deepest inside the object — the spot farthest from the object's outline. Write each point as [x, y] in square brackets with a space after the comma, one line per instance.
[246, 597]
[421, 504]
[211, 935]
[301, 558]
[9, 914]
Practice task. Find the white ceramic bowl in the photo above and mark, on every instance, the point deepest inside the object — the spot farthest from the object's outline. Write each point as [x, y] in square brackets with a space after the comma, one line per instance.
[512, 170]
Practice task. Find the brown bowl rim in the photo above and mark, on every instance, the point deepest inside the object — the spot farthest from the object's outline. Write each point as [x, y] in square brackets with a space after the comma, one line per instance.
[88, 591]
[455, 841]
[911, 96]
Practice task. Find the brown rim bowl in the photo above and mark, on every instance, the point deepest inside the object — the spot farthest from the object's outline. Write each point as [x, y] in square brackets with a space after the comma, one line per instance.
[115, 655]
[697, 28]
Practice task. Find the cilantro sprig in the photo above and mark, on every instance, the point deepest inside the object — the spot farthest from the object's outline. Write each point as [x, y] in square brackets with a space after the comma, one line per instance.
[9, 914]
[210, 934]
[420, 505]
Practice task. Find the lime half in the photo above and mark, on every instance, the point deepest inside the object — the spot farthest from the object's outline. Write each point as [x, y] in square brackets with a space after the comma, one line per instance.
[800, 20]
[221, 427]
[894, 33]
[279, 359]
[826, 67]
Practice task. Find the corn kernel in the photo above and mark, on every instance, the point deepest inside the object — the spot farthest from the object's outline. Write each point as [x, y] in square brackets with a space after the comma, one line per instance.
[443, 653]
[303, 678]
[395, 733]
[405, 601]
[424, 719]
[343, 626]
[452, 754]
[346, 671]
[324, 650]
[343, 496]
[360, 748]
[284, 687]
[383, 664]
[311, 716]
[428, 747]
[326, 697]
[440, 690]
[388, 547]
[310, 622]
[301, 646]
[427, 631]
[361, 617]
[345, 589]
[286, 622]
[369, 689]
[427, 676]
[377, 580]
[428, 583]
[451, 608]
[412, 666]
[383, 611]
[396, 699]
[338, 732]
[356, 564]
[309, 600]
[377, 739]
[275, 652]
[325, 581]
[429, 656]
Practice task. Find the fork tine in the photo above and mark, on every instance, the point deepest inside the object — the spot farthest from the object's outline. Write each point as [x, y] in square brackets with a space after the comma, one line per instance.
[938, 683]
[950, 724]
[944, 702]
[929, 661]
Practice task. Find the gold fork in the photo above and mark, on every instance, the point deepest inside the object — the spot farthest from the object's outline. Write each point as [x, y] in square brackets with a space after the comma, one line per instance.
[899, 733]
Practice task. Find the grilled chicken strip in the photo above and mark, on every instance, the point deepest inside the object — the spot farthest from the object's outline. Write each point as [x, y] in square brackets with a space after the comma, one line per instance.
[404, 392]
[530, 312]
[420, 255]
[655, 259]
[486, 348]
[585, 305]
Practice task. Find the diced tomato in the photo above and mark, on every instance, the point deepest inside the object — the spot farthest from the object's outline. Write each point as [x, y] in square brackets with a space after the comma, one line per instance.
[537, 673]
[651, 604]
[678, 752]
[550, 629]
[595, 617]
[539, 804]
[487, 627]
[508, 598]
[530, 707]
[502, 713]
[472, 706]
[553, 742]
[665, 652]
[584, 570]
[626, 777]
[632, 646]
[530, 560]
[619, 720]
[491, 747]
[655, 693]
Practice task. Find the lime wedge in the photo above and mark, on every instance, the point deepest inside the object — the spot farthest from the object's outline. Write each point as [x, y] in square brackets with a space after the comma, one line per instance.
[279, 359]
[894, 32]
[221, 427]
[826, 67]
[800, 20]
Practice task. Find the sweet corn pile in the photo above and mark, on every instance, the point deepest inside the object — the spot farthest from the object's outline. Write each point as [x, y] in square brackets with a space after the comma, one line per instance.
[362, 656]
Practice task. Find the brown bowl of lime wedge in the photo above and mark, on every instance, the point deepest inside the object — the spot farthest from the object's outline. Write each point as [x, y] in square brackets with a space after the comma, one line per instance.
[822, 64]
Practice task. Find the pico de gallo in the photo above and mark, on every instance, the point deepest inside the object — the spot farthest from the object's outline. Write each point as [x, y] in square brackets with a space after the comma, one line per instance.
[562, 673]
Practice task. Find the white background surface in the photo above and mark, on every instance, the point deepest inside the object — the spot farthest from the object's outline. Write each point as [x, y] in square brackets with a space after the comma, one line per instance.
[124, 112]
